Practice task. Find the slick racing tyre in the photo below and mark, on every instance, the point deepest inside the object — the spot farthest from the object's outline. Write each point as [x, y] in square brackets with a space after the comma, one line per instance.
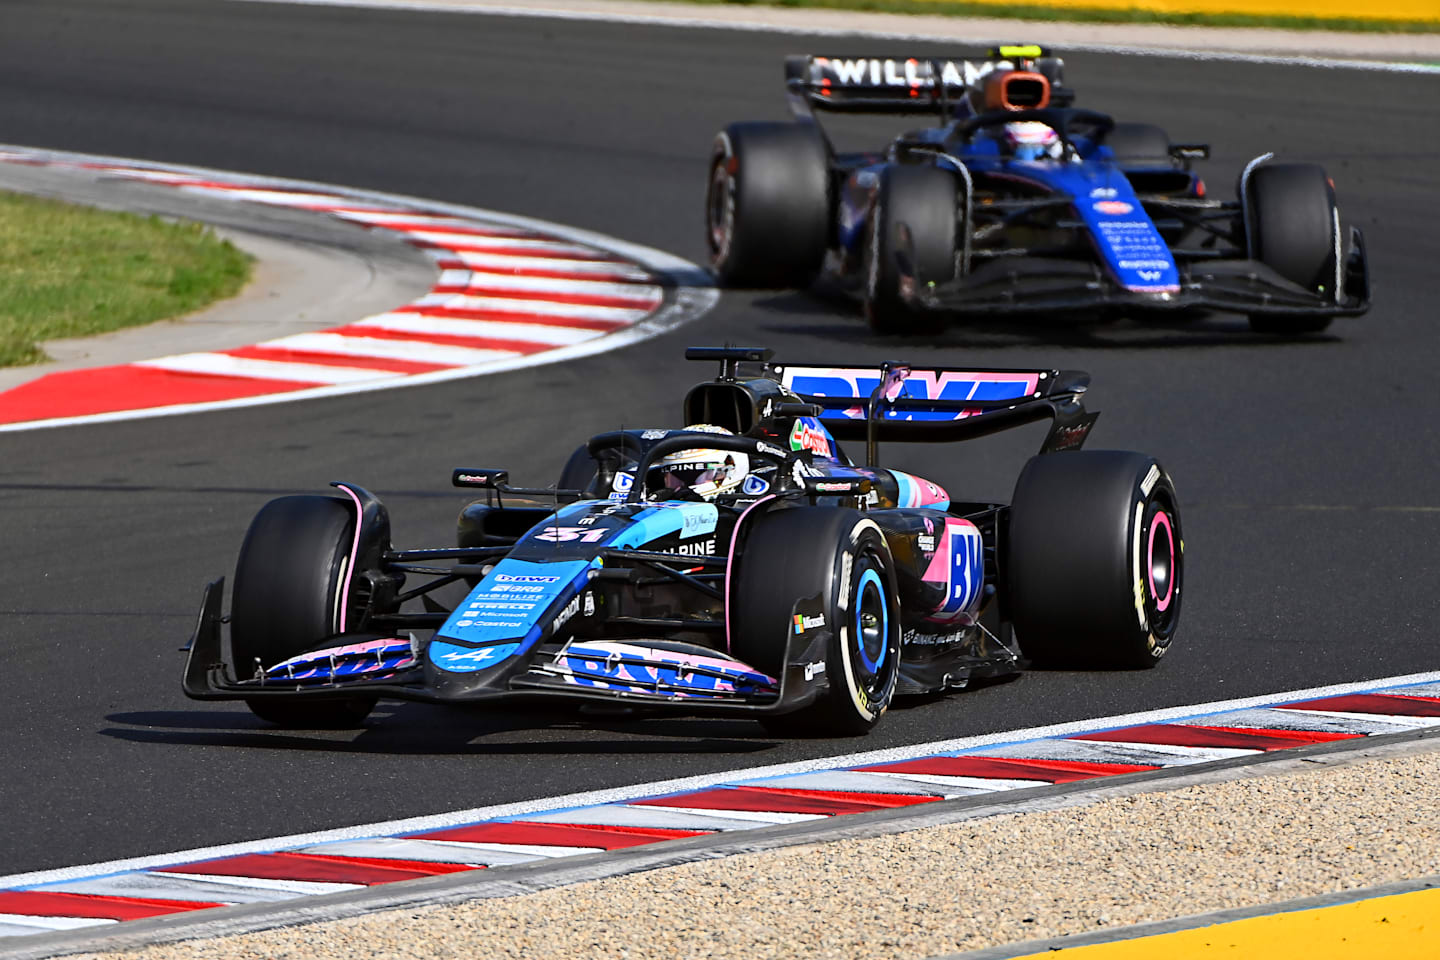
[767, 209]
[1139, 145]
[833, 570]
[1293, 227]
[289, 589]
[1093, 560]
[921, 202]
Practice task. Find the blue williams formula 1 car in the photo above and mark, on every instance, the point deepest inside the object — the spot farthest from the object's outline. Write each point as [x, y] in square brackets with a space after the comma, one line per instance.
[1017, 203]
[743, 564]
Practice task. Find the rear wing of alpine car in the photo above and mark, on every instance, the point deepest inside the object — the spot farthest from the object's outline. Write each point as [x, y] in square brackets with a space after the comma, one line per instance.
[904, 85]
[900, 402]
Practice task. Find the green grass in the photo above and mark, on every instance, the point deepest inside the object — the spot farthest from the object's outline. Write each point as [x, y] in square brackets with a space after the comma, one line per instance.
[1037, 11]
[71, 271]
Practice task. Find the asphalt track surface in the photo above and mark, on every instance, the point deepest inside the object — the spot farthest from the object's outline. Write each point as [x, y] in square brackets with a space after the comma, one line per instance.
[1306, 470]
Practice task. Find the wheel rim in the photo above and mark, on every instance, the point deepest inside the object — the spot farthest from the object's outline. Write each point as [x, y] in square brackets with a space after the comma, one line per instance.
[871, 629]
[720, 209]
[1162, 571]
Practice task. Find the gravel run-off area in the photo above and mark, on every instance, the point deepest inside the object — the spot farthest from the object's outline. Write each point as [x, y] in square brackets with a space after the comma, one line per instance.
[978, 883]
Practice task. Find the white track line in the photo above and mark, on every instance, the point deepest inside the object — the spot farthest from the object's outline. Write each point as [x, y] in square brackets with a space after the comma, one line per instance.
[574, 801]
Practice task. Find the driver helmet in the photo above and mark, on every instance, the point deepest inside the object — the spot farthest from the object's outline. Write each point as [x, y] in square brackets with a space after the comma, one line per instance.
[1032, 140]
[702, 472]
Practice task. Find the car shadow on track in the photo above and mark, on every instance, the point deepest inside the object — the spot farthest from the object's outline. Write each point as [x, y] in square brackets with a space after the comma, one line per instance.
[413, 729]
[840, 321]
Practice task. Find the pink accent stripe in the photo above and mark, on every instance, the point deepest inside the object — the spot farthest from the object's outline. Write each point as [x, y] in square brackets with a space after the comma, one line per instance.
[354, 552]
[1162, 518]
[730, 564]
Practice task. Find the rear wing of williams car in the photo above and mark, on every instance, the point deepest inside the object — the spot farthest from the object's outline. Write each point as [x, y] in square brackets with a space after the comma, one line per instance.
[901, 85]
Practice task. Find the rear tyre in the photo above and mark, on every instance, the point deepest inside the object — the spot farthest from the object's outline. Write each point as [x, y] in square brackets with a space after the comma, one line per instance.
[290, 595]
[1294, 230]
[839, 562]
[1139, 145]
[767, 209]
[921, 202]
[1094, 560]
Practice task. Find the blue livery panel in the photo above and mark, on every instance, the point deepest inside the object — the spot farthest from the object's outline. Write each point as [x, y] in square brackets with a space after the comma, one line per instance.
[854, 385]
[512, 608]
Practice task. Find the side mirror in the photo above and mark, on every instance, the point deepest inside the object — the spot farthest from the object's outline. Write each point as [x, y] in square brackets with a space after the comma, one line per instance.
[480, 477]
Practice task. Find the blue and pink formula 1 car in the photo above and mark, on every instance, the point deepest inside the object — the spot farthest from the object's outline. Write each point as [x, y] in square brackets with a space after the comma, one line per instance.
[1016, 204]
[742, 564]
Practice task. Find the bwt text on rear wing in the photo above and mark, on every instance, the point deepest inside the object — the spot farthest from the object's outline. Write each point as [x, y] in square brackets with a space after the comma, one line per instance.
[898, 402]
[900, 84]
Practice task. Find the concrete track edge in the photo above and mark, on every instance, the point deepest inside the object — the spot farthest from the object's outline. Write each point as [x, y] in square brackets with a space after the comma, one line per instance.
[521, 879]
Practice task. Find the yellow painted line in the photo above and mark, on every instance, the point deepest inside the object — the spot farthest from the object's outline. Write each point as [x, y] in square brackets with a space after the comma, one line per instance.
[1318, 9]
[1403, 926]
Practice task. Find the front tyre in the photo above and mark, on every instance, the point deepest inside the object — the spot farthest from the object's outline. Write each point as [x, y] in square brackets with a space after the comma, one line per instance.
[1294, 229]
[291, 593]
[1094, 560]
[835, 562]
[767, 206]
[914, 217]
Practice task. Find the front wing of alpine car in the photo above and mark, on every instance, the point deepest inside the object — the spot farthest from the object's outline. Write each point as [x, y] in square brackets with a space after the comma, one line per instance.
[655, 673]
